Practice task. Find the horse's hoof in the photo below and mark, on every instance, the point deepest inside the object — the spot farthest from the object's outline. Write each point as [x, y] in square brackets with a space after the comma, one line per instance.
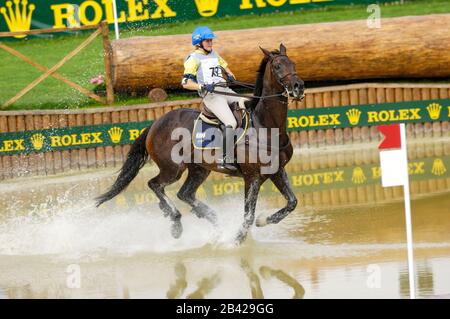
[177, 229]
[212, 218]
[261, 221]
[206, 213]
[164, 209]
[240, 238]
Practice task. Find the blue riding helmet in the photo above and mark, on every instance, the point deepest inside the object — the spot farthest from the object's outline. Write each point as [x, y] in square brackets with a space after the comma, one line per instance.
[200, 34]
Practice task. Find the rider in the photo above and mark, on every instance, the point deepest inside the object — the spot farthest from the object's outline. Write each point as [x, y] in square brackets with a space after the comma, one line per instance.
[202, 70]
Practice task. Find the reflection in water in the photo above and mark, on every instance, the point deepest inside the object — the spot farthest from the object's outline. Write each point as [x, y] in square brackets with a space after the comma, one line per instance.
[344, 223]
[208, 284]
[205, 286]
[180, 284]
[267, 272]
[255, 285]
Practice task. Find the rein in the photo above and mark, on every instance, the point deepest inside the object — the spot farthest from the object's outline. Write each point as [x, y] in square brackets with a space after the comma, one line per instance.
[252, 86]
[267, 97]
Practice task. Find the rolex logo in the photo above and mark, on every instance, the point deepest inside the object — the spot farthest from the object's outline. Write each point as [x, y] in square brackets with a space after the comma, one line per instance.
[19, 17]
[37, 140]
[438, 168]
[207, 8]
[116, 134]
[434, 110]
[358, 176]
[353, 116]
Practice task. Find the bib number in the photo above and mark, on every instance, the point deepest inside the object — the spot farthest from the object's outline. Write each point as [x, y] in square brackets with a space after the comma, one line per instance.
[212, 73]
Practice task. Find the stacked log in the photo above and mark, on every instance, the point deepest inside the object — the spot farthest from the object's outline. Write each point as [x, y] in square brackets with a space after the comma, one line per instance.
[405, 47]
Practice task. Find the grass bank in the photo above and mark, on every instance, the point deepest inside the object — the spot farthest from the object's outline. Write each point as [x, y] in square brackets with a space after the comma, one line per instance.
[52, 94]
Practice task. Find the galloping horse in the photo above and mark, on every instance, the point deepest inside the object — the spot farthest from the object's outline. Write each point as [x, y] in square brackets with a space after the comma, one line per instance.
[276, 81]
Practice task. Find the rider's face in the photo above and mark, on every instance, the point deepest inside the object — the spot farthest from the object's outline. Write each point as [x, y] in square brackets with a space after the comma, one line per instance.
[207, 44]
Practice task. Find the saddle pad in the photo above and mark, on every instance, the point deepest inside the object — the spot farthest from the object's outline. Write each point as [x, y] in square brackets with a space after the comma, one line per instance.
[208, 136]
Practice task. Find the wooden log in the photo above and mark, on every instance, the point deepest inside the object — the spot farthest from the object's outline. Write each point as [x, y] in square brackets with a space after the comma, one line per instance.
[157, 95]
[107, 55]
[82, 153]
[356, 131]
[109, 150]
[38, 124]
[91, 152]
[23, 166]
[74, 154]
[57, 155]
[32, 157]
[15, 162]
[65, 155]
[124, 118]
[345, 101]
[363, 99]
[49, 163]
[118, 157]
[313, 47]
[99, 151]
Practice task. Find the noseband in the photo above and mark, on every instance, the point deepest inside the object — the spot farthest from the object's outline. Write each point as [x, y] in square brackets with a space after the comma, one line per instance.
[281, 80]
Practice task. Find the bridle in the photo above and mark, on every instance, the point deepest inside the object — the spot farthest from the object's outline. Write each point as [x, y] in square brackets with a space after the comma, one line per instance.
[280, 81]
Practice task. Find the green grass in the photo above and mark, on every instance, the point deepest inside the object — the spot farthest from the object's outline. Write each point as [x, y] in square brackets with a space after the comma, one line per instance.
[52, 94]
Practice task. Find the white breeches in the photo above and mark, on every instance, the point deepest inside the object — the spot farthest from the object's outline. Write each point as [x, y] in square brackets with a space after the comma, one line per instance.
[219, 105]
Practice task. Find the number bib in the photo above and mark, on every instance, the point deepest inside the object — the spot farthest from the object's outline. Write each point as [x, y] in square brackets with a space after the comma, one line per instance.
[211, 71]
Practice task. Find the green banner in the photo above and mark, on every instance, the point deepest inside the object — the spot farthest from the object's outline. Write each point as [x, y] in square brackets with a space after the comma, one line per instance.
[368, 115]
[58, 139]
[20, 15]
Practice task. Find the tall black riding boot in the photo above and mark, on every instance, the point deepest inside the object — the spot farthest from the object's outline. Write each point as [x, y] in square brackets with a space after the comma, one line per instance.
[227, 161]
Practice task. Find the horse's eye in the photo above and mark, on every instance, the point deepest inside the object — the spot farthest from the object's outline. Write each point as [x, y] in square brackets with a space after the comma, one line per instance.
[277, 66]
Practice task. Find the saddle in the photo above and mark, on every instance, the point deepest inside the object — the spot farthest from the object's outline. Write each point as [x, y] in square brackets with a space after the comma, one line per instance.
[207, 127]
[237, 108]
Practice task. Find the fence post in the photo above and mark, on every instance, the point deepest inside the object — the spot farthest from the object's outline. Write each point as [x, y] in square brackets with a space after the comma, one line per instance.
[107, 54]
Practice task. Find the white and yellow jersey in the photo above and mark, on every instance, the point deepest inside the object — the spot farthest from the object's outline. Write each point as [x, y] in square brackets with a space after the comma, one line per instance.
[204, 68]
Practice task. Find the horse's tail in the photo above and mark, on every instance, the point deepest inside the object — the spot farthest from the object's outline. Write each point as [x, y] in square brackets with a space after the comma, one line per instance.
[136, 159]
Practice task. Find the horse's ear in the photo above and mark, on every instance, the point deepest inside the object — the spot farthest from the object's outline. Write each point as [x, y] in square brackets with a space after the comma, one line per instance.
[266, 53]
[282, 49]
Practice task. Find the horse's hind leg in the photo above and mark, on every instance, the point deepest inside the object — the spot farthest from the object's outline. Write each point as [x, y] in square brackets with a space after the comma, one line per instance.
[196, 176]
[157, 184]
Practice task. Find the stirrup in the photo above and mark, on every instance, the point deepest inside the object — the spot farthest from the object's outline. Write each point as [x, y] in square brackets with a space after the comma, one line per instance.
[223, 164]
[228, 167]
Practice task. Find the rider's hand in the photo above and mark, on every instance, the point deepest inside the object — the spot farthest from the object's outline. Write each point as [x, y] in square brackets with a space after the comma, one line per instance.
[208, 88]
[231, 77]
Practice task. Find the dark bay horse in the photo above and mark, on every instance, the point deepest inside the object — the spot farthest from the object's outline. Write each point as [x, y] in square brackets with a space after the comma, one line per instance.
[276, 81]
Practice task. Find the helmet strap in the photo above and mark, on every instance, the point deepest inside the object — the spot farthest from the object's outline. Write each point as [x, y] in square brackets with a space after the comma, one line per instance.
[201, 46]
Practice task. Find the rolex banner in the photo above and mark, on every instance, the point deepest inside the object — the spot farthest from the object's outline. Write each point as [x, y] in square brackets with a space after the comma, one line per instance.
[20, 15]
[76, 137]
[57, 139]
[368, 115]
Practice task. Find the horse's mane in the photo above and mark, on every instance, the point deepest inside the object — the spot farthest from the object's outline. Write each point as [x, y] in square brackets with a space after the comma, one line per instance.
[260, 80]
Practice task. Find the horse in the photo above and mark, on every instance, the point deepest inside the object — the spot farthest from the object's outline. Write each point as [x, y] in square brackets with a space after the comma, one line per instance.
[277, 80]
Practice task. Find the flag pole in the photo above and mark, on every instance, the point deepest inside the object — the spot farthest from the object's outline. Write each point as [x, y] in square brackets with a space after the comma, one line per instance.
[409, 238]
[116, 23]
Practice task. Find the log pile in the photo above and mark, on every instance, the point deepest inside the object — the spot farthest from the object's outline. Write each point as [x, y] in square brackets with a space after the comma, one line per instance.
[405, 47]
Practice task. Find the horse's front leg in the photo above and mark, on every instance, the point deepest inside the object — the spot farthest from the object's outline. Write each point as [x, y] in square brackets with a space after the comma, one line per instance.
[252, 186]
[281, 181]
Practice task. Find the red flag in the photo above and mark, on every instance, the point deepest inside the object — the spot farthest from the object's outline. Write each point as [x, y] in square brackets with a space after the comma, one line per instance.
[392, 136]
